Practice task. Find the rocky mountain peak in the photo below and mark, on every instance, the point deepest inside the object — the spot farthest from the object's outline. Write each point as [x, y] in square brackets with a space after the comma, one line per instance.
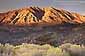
[35, 16]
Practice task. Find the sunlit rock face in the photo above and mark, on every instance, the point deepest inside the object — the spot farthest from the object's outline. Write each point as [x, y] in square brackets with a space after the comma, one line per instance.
[35, 16]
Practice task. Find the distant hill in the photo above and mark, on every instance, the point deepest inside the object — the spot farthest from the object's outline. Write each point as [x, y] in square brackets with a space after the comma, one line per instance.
[35, 16]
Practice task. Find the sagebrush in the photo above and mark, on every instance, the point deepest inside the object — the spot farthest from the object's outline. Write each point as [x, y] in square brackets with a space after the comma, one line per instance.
[42, 50]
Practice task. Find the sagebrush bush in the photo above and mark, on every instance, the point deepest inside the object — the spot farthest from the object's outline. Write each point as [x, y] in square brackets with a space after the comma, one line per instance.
[6, 50]
[74, 50]
[41, 50]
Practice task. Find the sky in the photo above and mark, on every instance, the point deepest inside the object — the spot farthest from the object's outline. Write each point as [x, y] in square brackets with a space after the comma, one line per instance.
[70, 5]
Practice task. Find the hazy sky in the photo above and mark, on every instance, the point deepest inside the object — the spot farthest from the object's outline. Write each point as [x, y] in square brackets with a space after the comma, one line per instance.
[70, 5]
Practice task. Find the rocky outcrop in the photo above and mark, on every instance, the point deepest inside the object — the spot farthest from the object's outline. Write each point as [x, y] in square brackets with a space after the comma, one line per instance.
[34, 16]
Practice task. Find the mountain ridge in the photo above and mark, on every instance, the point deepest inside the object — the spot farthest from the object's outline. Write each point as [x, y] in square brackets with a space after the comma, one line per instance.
[35, 16]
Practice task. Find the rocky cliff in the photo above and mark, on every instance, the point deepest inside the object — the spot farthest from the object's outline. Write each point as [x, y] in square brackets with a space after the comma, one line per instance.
[35, 16]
